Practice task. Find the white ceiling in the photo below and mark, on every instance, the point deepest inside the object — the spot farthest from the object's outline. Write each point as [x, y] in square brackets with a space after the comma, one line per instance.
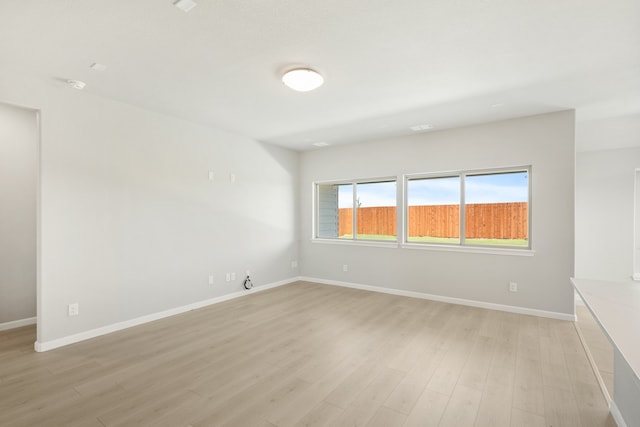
[388, 65]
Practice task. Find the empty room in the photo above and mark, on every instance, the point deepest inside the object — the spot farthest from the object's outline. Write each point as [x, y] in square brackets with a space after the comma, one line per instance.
[290, 213]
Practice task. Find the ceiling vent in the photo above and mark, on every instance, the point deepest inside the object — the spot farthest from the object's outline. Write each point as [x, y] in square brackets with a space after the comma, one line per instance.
[185, 5]
[76, 84]
[418, 128]
[98, 66]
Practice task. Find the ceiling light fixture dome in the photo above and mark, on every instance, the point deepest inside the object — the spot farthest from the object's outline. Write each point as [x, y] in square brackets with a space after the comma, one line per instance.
[302, 79]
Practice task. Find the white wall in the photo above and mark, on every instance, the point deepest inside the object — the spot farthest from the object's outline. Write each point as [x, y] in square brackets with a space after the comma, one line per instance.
[546, 142]
[18, 168]
[131, 224]
[604, 213]
[604, 241]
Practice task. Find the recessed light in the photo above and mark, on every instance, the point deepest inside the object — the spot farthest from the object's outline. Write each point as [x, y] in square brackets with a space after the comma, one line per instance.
[498, 105]
[185, 5]
[321, 144]
[418, 128]
[98, 66]
[302, 79]
[76, 84]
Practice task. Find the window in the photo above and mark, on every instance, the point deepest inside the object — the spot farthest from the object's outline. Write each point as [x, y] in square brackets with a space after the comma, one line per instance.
[487, 208]
[368, 207]
[497, 209]
[433, 210]
[329, 199]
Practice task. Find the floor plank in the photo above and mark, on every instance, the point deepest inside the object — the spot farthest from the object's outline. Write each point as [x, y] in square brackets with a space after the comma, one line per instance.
[306, 354]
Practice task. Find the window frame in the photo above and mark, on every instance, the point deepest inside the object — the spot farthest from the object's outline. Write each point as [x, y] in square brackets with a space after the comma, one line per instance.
[354, 183]
[402, 214]
[462, 174]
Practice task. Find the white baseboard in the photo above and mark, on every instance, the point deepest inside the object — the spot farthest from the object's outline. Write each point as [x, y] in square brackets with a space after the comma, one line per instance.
[617, 416]
[93, 333]
[578, 299]
[451, 300]
[17, 323]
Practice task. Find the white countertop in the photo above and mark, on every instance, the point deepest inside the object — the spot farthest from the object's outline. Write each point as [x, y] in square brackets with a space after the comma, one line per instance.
[616, 307]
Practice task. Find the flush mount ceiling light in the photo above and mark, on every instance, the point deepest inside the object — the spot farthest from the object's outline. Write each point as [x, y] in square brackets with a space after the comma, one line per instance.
[302, 79]
[185, 5]
[321, 144]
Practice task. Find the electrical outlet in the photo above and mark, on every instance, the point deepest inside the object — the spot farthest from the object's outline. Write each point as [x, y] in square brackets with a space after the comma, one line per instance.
[211, 280]
[228, 277]
[73, 309]
[211, 175]
[232, 178]
[345, 267]
[513, 287]
[233, 276]
[294, 264]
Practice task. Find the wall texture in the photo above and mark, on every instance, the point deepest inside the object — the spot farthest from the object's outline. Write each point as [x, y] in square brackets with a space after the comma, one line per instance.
[18, 172]
[546, 142]
[604, 213]
[131, 225]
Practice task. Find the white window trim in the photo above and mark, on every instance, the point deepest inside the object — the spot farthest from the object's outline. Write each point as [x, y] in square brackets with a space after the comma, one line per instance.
[443, 247]
[491, 250]
[351, 242]
[469, 247]
[402, 220]
[354, 183]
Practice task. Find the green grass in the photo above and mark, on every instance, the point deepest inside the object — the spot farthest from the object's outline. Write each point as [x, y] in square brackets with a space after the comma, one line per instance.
[449, 240]
[368, 237]
[498, 242]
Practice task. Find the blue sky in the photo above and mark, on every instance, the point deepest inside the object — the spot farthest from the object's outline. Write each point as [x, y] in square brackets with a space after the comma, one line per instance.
[370, 194]
[495, 188]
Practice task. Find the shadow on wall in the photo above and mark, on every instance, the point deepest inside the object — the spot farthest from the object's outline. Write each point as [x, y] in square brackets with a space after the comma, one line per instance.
[18, 175]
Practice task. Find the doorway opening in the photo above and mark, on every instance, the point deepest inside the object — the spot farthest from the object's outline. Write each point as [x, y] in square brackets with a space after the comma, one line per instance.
[19, 213]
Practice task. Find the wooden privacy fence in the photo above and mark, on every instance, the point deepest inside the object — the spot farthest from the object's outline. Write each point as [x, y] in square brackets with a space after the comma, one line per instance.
[486, 220]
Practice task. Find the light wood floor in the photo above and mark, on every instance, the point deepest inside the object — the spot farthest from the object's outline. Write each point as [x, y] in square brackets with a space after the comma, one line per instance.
[309, 355]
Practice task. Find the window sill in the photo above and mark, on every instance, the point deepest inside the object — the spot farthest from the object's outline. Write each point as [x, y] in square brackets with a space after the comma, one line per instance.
[470, 249]
[428, 247]
[375, 243]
